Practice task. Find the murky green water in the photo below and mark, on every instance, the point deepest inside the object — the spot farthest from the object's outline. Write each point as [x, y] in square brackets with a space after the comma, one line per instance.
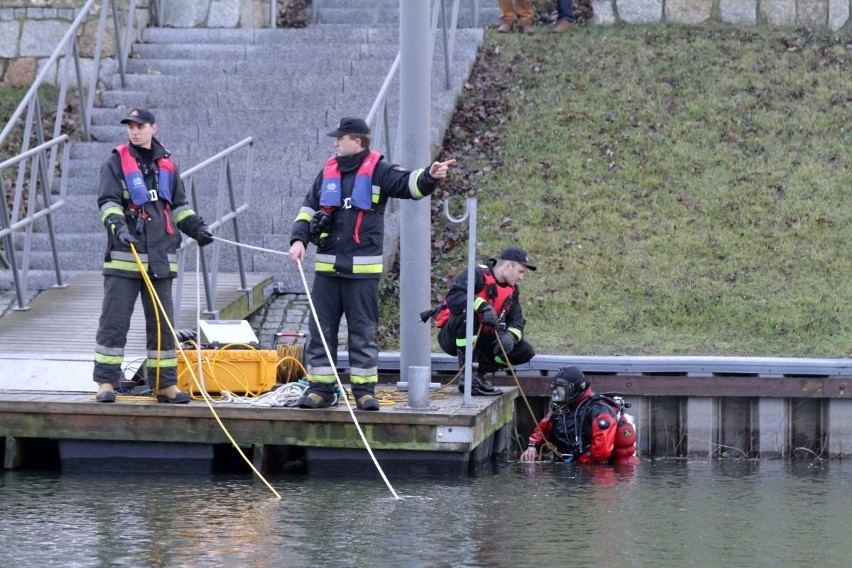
[657, 514]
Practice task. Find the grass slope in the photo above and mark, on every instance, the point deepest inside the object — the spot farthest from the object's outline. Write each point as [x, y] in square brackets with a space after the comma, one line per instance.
[682, 190]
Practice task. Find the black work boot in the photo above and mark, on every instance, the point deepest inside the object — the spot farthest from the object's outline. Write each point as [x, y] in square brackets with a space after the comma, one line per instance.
[478, 388]
[365, 397]
[482, 385]
[317, 395]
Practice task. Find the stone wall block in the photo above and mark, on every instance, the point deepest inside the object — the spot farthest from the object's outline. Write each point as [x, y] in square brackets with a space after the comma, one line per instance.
[40, 37]
[41, 3]
[9, 33]
[640, 11]
[186, 13]
[603, 13]
[87, 69]
[838, 13]
[254, 13]
[224, 14]
[50, 76]
[739, 12]
[688, 11]
[87, 40]
[812, 13]
[21, 72]
[778, 12]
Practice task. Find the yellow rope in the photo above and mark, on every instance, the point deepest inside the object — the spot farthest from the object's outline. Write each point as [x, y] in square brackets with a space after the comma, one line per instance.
[194, 378]
[546, 443]
[290, 366]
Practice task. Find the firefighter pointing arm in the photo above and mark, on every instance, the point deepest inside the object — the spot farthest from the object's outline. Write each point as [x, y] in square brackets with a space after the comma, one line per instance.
[438, 171]
[343, 216]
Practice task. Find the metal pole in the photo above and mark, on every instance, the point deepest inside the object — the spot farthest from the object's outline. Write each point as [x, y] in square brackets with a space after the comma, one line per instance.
[471, 282]
[413, 151]
[470, 215]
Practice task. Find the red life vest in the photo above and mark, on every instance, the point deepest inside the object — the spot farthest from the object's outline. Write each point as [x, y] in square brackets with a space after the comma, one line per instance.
[331, 192]
[139, 192]
[500, 298]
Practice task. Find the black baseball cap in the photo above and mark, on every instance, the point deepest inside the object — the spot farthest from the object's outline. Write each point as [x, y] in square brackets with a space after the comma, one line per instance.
[518, 255]
[350, 125]
[139, 116]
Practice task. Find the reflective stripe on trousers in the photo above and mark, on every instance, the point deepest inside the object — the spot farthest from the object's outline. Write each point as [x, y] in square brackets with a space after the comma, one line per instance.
[117, 308]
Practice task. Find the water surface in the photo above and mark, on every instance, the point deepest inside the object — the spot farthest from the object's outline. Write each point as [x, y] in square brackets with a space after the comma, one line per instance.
[663, 513]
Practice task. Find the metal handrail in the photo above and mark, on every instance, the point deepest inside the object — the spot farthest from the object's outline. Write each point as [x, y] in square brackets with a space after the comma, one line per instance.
[380, 104]
[41, 181]
[224, 213]
[40, 172]
[68, 46]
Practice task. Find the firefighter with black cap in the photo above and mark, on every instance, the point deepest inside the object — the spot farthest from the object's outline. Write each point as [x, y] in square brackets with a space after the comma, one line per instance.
[143, 203]
[582, 425]
[343, 216]
[499, 325]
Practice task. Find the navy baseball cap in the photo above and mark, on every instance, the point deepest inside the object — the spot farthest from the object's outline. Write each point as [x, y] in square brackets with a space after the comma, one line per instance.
[350, 125]
[139, 116]
[518, 255]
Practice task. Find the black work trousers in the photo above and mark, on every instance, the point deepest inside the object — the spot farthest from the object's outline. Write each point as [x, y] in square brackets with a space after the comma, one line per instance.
[453, 340]
[117, 308]
[358, 300]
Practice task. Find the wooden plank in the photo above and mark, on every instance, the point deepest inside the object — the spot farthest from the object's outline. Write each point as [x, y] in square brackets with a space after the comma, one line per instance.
[65, 320]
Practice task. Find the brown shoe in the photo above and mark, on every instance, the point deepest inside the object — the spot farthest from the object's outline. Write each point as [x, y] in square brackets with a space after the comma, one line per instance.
[504, 28]
[106, 393]
[526, 28]
[563, 25]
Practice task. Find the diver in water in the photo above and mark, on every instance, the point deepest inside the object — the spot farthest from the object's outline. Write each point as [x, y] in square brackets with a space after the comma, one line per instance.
[582, 425]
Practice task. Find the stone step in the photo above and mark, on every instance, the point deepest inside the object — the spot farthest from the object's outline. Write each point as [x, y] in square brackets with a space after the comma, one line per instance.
[171, 135]
[279, 36]
[259, 54]
[278, 67]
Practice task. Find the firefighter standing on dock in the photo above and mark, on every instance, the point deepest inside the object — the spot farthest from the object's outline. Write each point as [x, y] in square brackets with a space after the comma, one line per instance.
[343, 215]
[142, 203]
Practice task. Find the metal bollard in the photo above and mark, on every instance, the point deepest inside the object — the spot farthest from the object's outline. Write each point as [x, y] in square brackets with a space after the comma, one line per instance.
[418, 387]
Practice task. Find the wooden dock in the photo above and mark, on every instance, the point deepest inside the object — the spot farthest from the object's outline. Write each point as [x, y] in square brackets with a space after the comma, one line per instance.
[446, 439]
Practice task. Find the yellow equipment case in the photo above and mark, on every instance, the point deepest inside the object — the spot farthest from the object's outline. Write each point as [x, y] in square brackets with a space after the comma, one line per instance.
[239, 371]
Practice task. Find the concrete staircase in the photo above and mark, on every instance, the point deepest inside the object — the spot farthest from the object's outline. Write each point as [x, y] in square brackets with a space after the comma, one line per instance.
[211, 88]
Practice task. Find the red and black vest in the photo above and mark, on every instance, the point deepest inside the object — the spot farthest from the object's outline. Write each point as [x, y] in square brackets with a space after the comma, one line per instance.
[139, 192]
[500, 298]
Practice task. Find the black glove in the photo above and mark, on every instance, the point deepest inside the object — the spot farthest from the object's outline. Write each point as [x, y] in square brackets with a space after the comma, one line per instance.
[507, 340]
[203, 237]
[124, 236]
[320, 223]
[185, 335]
[488, 316]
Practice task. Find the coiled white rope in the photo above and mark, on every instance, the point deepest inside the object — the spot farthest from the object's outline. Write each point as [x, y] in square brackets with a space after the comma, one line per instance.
[283, 396]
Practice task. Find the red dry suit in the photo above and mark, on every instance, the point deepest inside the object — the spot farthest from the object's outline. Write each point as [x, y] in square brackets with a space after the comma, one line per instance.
[592, 429]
